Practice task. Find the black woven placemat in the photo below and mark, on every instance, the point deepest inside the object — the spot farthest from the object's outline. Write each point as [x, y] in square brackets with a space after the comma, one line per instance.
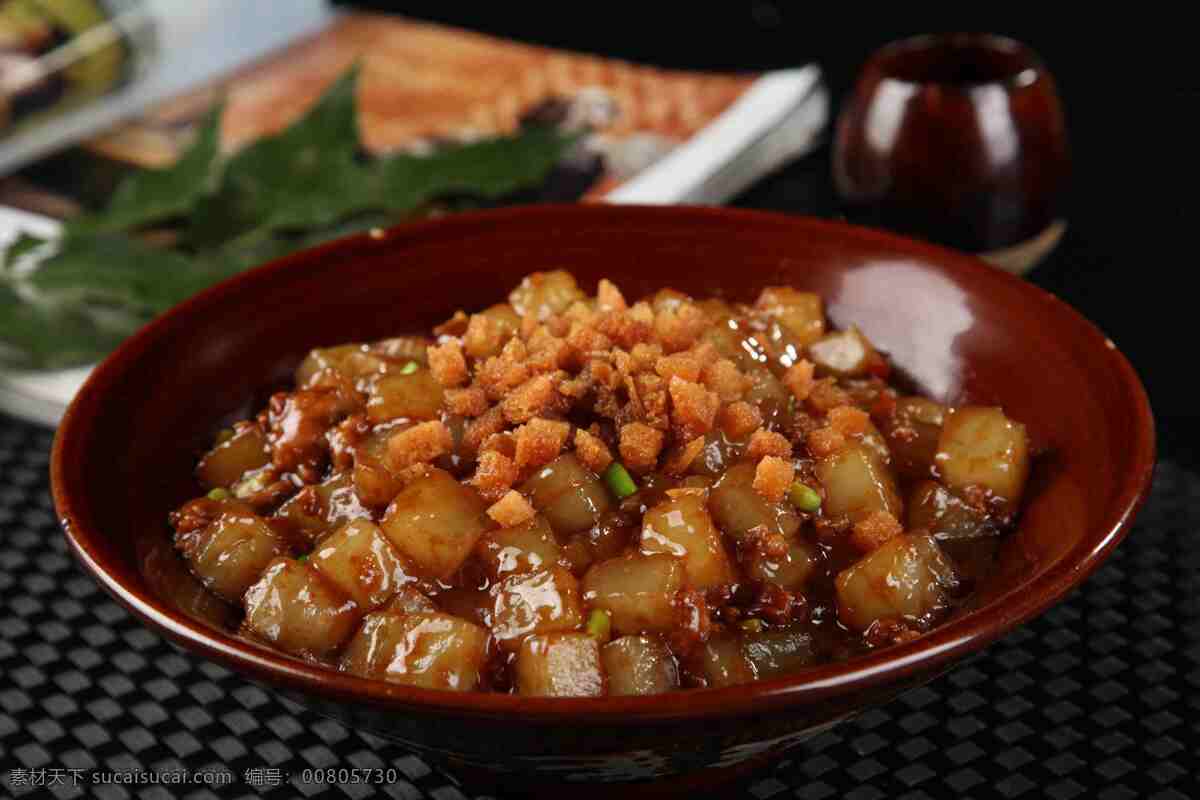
[1100, 698]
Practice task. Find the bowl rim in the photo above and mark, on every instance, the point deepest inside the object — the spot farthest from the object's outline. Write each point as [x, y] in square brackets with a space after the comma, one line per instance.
[933, 651]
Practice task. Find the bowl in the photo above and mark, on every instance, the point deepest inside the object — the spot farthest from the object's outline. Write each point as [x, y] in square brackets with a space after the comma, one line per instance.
[957, 328]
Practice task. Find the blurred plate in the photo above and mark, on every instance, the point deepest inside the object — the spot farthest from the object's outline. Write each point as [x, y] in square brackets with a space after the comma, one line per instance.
[36, 396]
[780, 117]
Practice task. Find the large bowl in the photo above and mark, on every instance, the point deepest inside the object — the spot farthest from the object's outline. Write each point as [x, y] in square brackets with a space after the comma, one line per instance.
[124, 453]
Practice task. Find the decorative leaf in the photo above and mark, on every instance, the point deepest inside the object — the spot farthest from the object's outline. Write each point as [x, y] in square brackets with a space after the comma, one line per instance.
[280, 194]
[38, 337]
[119, 270]
[490, 169]
[305, 177]
[151, 196]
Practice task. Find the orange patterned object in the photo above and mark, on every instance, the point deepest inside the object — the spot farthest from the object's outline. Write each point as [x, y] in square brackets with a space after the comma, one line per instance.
[421, 81]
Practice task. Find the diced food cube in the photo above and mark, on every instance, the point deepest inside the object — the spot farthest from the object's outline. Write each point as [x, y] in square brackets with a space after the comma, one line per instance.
[982, 447]
[435, 522]
[559, 665]
[857, 483]
[638, 591]
[413, 395]
[568, 494]
[682, 527]
[802, 313]
[907, 578]
[639, 665]
[374, 481]
[768, 394]
[354, 361]
[791, 570]
[400, 351]
[912, 433]
[737, 508]
[539, 602]
[316, 511]
[773, 653]
[845, 353]
[244, 451]
[523, 549]
[721, 661]
[542, 294]
[431, 650]
[730, 341]
[488, 331]
[361, 562]
[295, 609]
[935, 509]
[231, 552]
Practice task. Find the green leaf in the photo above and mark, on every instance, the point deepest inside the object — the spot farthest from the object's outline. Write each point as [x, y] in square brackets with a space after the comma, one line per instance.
[280, 194]
[151, 196]
[305, 177]
[490, 169]
[38, 337]
[121, 271]
[250, 250]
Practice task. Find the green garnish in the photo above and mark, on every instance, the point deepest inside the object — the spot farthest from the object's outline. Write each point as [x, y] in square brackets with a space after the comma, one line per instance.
[599, 625]
[215, 214]
[619, 481]
[219, 494]
[409, 368]
[302, 558]
[804, 497]
[752, 625]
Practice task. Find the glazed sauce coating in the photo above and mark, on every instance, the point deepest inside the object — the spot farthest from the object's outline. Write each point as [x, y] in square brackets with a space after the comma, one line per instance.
[572, 494]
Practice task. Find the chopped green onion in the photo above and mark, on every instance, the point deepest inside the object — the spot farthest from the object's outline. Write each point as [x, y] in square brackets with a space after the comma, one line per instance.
[599, 625]
[219, 494]
[410, 368]
[224, 435]
[619, 480]
[804, 497]
[303, 558]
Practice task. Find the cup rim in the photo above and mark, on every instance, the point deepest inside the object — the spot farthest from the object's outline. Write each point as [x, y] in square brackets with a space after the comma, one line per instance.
[1033, 69]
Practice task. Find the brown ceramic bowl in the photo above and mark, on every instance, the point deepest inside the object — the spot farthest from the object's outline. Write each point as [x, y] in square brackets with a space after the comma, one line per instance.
[125, 451]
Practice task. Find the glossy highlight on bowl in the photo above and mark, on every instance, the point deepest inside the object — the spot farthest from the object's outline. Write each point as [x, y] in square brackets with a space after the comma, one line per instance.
[956, 327]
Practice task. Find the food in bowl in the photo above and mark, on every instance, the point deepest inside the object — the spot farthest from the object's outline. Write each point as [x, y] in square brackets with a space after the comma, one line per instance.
[573, 495]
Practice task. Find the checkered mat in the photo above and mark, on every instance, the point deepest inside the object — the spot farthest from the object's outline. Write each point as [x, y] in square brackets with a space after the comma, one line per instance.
[1100, 698]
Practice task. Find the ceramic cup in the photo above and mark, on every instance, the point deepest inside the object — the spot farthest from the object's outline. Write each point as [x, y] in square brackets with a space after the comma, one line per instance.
[957, 139]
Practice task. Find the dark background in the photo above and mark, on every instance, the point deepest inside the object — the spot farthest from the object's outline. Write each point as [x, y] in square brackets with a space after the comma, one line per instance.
[1128, 89]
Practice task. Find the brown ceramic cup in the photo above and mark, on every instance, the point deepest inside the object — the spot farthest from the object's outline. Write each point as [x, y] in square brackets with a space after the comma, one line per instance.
[957, 139]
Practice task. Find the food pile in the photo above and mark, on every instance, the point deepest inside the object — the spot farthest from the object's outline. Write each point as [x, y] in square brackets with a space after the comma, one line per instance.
[574, 495]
